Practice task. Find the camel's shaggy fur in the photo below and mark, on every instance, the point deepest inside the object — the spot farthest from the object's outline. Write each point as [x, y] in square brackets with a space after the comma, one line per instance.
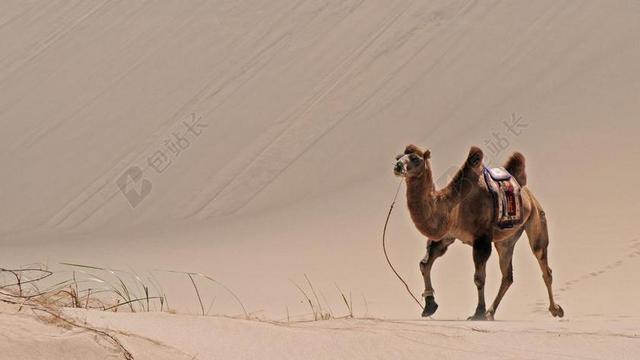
[463, 210]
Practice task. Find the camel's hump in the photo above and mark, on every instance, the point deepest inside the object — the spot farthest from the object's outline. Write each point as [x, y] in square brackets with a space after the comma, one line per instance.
[515, 166]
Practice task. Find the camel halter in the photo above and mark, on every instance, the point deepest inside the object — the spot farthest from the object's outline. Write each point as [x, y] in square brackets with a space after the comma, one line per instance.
[384, 247]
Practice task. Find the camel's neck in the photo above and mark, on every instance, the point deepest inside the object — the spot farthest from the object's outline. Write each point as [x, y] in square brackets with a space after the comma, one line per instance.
[428, 217]
[419, 189]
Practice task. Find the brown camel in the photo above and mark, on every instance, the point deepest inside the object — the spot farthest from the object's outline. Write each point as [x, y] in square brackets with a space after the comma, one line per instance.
[463, 210]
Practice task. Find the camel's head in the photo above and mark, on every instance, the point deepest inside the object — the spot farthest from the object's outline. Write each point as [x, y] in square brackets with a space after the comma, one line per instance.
[411, 163]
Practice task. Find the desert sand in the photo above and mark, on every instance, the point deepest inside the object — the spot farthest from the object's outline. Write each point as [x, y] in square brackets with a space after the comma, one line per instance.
[254, 142]
[165, 336]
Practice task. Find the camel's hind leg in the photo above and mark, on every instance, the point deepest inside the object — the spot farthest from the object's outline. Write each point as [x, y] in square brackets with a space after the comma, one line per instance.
[538, 235]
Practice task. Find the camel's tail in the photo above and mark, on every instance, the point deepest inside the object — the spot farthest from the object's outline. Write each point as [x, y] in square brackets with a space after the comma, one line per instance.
[515, 166]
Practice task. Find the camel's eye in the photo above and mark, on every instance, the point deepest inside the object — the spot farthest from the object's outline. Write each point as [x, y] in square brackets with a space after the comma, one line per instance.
[414, 159]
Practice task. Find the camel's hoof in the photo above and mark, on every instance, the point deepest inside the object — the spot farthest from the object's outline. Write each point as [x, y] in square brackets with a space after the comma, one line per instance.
[556, 311]
[430, 306]
[489, 315]
[477, 317]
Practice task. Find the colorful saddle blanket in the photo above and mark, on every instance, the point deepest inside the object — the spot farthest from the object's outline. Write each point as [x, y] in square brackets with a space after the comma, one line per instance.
[507, 199]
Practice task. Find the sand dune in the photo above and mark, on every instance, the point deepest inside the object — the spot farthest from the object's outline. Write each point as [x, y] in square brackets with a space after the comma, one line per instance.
[164, 336]
[253, 141]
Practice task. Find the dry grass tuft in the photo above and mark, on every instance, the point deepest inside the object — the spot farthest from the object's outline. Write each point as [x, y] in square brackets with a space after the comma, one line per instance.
[45, 304]
[310, 297]
[47, 293]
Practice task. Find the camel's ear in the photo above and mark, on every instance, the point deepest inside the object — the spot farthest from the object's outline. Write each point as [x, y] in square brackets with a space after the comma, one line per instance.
[475, 156]
[427, 154]
[412, 149]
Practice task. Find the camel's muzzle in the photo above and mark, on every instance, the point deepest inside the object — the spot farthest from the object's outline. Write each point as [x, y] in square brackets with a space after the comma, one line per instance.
[399, 169]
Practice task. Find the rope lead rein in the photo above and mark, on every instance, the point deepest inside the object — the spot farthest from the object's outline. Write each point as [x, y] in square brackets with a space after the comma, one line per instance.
[384, 248]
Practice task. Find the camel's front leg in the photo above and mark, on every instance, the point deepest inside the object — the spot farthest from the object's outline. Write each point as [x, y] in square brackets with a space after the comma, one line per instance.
[481, 253]
[435, 249]
[505, 252]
